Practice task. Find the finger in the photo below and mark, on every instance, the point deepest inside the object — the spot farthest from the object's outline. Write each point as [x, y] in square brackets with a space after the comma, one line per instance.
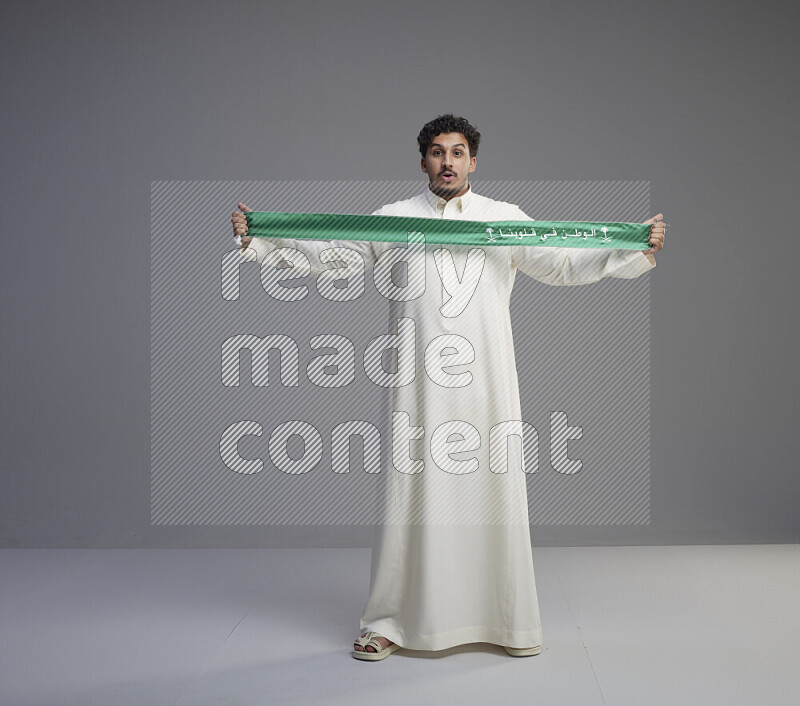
[653, 219]
[240, 230]
[246, 242]
[243, 208]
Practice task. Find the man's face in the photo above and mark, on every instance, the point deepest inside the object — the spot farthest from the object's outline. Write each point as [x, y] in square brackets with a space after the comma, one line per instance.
[448, 164]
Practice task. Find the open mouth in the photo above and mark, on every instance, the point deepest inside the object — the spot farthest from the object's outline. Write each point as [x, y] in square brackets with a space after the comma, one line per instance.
[447, 176]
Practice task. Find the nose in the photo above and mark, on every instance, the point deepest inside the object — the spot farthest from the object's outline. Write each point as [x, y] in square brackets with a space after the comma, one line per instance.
[447, 160]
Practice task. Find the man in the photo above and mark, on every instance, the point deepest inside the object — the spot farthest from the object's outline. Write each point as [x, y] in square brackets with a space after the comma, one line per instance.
[454, 563]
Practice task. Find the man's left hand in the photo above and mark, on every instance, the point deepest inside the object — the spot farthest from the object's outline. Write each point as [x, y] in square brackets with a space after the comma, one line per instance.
[656, 240]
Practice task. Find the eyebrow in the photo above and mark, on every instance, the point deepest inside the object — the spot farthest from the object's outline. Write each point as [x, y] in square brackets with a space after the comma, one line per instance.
[439, 144]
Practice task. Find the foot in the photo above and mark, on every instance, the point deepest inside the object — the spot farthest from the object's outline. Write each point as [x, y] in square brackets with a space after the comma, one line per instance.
[523, 651]
[384, 642]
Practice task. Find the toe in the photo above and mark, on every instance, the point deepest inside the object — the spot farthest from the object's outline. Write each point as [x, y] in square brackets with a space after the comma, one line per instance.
[382, 641]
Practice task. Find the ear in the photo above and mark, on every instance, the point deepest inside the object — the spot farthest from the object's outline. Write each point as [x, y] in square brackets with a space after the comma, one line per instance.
[473, 161]
[422, 164]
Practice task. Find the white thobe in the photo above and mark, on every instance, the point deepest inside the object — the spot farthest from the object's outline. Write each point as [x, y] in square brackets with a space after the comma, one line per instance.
[453, 562]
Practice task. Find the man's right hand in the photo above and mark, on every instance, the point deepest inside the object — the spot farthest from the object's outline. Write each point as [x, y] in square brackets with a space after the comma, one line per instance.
[240, 224]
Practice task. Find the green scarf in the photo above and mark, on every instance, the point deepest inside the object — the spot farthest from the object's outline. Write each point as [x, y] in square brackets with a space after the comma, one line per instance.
[405, 229]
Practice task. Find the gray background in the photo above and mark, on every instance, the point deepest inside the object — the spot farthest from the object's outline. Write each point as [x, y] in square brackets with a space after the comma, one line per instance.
[100, 99]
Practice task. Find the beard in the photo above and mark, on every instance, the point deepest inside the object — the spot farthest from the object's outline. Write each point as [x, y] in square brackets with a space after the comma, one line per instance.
[446, 190]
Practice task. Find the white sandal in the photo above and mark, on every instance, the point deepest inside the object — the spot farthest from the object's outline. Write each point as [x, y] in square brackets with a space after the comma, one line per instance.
[370, 638]
[523, 651]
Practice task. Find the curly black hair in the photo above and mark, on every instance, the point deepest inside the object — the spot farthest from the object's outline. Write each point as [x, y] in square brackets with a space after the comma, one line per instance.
[448, 123]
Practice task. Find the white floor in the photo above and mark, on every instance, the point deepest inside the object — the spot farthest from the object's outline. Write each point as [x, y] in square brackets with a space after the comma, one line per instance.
[622, 625]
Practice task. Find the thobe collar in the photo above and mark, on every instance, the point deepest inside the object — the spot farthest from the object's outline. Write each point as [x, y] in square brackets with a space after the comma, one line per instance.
[437, 203]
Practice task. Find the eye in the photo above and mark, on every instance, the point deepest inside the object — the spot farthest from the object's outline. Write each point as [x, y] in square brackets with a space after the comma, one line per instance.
[457, 153]
[437, 152]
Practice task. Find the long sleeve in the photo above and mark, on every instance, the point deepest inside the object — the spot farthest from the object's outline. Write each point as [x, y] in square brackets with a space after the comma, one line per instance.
[571, 266]
[312, 249]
